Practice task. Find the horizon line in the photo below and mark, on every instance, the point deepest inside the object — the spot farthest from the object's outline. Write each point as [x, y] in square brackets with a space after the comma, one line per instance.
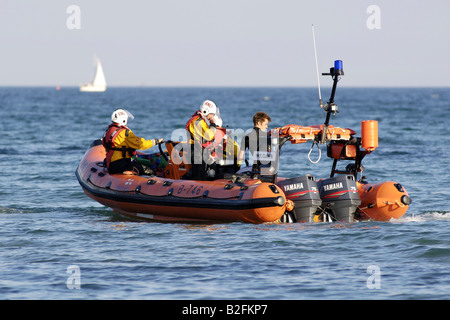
[230, 86]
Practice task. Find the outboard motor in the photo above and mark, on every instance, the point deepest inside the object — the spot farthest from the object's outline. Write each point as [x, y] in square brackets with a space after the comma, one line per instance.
[340, 197]
[304, 193]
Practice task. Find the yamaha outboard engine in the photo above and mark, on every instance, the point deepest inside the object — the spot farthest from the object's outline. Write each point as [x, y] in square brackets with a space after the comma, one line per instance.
[340, 197]
[304, 193]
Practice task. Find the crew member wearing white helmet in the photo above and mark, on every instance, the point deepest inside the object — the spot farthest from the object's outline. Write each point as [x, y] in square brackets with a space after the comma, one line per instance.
[202, 129]
[203, 122]
[121, 144]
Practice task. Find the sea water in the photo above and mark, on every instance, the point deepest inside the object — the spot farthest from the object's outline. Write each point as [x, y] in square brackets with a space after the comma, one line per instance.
[56, 243]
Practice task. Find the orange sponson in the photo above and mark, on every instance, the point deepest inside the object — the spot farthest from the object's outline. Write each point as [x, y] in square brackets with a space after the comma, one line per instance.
[369, 135]
[383, 201]
[164, 199]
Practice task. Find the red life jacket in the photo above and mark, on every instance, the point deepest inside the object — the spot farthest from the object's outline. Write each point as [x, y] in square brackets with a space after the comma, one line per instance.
[108, 142]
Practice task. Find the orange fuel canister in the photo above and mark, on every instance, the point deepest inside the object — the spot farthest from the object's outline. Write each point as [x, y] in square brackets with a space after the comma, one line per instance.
[369, 135]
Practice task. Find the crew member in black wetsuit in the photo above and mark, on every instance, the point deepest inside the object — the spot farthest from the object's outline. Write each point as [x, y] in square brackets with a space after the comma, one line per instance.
[256, 140]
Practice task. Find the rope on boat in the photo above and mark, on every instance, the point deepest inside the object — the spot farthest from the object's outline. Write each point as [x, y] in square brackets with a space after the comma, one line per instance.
[309, 153]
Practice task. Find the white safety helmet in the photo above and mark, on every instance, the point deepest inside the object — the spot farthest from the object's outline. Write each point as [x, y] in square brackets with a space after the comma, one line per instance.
[121, 116]
[208, 107]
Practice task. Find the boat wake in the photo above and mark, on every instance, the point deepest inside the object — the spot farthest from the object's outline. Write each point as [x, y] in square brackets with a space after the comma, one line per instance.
[426, 216]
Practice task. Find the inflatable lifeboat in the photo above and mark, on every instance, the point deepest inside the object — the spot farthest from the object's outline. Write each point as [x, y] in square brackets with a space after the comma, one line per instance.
[249, 196]
[166, 196]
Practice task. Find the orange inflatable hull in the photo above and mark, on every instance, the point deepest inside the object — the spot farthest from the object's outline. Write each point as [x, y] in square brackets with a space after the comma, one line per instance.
[175, 200]
[382, 201]
[163, 199]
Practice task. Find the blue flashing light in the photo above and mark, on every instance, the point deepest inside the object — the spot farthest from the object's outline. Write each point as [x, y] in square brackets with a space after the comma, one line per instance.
[338, 66]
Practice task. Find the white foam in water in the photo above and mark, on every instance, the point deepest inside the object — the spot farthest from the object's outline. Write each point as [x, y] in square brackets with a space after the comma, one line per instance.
[427, 216]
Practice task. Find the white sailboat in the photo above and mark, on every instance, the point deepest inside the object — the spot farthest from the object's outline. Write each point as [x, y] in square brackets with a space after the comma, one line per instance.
[99, 83]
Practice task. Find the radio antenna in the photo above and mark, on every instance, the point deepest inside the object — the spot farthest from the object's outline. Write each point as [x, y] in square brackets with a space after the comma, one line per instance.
[317, 67]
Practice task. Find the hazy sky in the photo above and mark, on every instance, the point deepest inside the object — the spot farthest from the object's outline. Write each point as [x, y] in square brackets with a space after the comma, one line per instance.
[225, 42]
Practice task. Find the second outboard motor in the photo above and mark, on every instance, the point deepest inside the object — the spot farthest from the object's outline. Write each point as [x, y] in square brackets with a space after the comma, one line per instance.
[340, 197]
[304, 193]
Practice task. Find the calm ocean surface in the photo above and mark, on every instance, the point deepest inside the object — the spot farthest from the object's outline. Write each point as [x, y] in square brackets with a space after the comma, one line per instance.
[51, 232]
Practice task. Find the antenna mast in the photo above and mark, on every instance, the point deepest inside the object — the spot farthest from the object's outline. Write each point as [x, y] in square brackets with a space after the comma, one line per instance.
[317, 67]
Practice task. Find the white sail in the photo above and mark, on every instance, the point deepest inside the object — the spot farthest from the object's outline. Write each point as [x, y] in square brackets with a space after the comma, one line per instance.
[99, 83]
[99, 79]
